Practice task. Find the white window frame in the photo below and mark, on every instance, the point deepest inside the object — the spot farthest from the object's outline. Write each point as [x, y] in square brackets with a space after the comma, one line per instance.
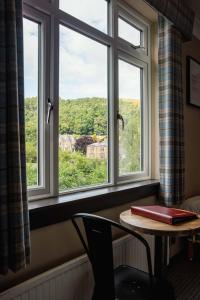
[118, 48]
[144, 174]
[43, 93]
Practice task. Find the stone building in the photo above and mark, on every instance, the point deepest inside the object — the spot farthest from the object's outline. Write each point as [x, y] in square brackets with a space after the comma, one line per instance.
[67, 142]
[97, 150]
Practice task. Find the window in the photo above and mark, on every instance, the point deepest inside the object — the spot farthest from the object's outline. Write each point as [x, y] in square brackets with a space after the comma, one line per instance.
[36, 90]
[87, 100]
[130, 107]
[31, 62]
[83, 110]
[129, 32]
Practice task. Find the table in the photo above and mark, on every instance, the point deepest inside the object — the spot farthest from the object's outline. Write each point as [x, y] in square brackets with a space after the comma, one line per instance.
[161, 231]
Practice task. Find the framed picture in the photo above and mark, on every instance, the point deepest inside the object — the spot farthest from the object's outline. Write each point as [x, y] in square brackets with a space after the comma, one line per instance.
[193, 81]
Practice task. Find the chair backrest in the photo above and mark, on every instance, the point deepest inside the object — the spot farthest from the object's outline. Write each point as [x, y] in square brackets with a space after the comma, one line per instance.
[99, 250]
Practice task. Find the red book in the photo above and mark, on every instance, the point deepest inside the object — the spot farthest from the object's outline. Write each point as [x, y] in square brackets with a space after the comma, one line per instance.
[163, 214]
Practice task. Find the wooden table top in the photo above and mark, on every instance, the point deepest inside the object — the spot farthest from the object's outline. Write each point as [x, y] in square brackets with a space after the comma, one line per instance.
[149, 226]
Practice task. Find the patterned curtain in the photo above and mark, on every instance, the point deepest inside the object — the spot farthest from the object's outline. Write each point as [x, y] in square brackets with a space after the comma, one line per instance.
[178, 12]
[171, 114]
[14, 220]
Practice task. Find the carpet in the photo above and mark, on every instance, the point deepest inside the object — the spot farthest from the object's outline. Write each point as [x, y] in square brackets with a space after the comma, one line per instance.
[185, 278]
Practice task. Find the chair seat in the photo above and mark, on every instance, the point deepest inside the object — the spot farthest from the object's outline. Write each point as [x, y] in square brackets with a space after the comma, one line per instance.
[133, 284]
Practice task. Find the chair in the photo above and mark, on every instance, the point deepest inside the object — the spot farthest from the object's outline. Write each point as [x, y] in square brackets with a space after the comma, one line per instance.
[124, 282]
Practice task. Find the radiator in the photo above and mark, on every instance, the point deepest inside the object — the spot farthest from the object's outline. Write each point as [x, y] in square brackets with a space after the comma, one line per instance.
[73, 280]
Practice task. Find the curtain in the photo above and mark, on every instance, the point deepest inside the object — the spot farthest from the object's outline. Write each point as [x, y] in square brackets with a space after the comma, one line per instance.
[178, 12]
[14, 219]
[171, 114]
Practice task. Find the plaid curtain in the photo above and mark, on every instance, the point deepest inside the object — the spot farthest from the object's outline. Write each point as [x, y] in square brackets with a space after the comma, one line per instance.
[14, 220]
[171, 114]
[178, 13]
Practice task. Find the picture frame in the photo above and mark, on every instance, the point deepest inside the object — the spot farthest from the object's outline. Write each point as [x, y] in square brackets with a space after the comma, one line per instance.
[193, 81]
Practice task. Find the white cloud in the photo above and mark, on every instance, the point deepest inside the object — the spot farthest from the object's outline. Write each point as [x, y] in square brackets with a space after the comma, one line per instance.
[30, 57]
[93, 12]
[83, 66]
[128, 32]
[129, 81]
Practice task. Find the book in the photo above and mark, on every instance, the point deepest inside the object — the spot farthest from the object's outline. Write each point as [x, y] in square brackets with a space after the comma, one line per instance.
[164, 214]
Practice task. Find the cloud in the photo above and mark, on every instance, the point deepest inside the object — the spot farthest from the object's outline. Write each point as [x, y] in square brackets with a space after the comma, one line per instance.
[30, 57]
[129, 81]
[93, 14]
[128, 32]
[83, 66]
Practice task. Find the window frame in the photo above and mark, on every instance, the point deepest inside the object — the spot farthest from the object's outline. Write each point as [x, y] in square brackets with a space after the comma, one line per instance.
[43, 93]
[53, 16]
[133, 18]
[143, 174]
[93, 36]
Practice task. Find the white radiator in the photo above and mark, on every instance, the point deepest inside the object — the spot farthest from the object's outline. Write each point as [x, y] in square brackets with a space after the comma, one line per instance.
[73, 280]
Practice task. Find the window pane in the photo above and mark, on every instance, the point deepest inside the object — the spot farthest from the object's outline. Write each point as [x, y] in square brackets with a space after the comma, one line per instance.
[82, 111]
[93, 12]
[31, 34]
[130, 156]
[128, 32]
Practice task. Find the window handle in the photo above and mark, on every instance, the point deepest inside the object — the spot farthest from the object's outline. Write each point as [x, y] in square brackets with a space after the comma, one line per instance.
[50, 108]
[119, 117]
[137, 47]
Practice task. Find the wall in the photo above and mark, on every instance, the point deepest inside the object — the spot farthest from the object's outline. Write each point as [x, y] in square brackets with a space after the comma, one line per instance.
[195, 5]
[192, 128]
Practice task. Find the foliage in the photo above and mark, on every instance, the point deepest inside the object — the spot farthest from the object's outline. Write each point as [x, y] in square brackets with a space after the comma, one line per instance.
[31, 119]
[75, 170]
[31, 169]
[130, 138]
[83, 116]
[82, 143]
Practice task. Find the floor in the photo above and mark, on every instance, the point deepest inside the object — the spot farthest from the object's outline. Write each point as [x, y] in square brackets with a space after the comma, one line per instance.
[185, 277]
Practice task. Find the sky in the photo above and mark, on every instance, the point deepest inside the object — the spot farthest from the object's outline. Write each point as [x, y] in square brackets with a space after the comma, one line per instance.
[30, 58]
[83, 61]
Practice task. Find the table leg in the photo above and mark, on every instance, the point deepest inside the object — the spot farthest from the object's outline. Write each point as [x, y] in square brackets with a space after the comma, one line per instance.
[160, 255]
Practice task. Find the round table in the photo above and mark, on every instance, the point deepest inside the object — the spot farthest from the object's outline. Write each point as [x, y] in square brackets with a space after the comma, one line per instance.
[161, 232]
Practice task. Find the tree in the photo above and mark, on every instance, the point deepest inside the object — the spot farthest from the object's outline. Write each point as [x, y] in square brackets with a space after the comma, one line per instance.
[130, 138]
[75, 170]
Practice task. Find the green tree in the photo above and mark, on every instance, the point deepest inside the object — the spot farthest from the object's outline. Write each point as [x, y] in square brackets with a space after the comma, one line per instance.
[130, 137]
[83, 116]
[75, 170]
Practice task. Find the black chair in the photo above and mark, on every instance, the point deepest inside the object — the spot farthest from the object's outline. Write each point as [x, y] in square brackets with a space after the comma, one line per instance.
[124, 282]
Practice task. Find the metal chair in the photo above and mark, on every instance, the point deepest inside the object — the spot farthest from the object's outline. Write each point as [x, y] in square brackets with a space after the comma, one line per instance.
[124, 282]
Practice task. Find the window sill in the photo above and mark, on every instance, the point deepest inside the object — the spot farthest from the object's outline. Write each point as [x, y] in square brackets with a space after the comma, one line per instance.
[59, 209]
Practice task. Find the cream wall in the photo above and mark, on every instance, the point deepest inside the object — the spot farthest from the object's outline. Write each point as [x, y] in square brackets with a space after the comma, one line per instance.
[192, 128]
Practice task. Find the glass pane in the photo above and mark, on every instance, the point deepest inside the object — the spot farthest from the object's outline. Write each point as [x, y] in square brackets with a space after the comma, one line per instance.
[93, 12]
[82, 111]
[31, 34]
[128, 32]
[130, 155]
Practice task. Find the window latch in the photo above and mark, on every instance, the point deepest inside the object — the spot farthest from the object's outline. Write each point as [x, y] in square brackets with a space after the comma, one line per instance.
[50, 108]
[137, 47]
[119, 117]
